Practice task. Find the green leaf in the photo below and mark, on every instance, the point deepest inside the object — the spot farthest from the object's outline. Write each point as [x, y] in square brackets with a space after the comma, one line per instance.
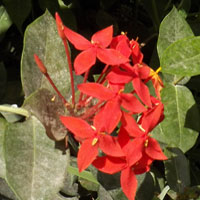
[173, 28]
[178, 129]
[18, 10]
[85, 174]
[41, 38]
[34, 168]
[5, 21]
[47, 107]
[2, 159]
[177, 170]
[182, 57]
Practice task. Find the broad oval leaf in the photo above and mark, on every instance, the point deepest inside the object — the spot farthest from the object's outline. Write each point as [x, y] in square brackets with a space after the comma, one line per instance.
[177, 170]
[41, 38]
[181, 124]
[34, 168]
[182, 57]
[173, 27]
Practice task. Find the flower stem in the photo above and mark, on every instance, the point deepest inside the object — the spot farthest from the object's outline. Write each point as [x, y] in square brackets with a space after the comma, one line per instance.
[70, 71]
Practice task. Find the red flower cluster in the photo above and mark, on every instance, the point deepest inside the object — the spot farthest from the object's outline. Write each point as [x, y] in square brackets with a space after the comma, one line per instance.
[114, 132]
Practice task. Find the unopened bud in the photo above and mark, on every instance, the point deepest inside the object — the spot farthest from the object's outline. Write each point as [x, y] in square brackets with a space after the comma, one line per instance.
[60, 26]
[40, 65]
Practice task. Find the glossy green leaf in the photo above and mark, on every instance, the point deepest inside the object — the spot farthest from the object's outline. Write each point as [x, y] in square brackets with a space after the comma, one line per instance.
[41, 38]
[2, 159]
[34, 168]
[182, 57]
[173, 28]
[178, 129]
[47, 107]
[177, 170]
[18, 10]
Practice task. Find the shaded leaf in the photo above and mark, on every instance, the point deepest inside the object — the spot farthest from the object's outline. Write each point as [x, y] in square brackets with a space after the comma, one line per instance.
[2, 159]
[5, 21]
[34, 168]
[145, 190]
[182, 57]
[47, 107]
[177, 170]
[178, 129]
[173, 27]
[3, 77]
[41, 38]
[85, 174]
[18, 11]
[6, 191]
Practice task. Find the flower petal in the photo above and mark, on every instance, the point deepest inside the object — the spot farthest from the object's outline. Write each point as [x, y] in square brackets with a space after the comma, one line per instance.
[130, 125]
[142, 91]
[110, 146]
[96, 90]
[154, 151]
[108, 117]
[76, 39]
[111, 56]
[152, 117]
[87, 154]
[131, 103]
[128, 183]
[103, 37]
[85, 60]
[109, 165]
[78, 127]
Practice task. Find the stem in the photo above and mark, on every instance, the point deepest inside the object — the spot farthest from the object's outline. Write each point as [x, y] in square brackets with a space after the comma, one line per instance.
[84, 81]
[70, 71]
[102, 73]
[55, 88]
[19, 111]
[91, 110]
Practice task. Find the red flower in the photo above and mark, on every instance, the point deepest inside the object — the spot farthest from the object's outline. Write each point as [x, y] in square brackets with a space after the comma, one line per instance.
[96, 48]
[115, 99]
[134, 74]
[93, 138]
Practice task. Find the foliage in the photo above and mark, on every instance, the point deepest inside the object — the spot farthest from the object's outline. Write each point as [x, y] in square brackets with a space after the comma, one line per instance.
[37, 154]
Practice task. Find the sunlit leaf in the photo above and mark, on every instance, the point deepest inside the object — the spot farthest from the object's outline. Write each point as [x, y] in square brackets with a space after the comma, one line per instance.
[178, 129]
[34, 168]
[182, 57]
[41, 38]
[173, 27]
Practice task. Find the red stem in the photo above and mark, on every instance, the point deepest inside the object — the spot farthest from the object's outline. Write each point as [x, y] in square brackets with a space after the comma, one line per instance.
[84, 81]
[70, 71]
[55, 88]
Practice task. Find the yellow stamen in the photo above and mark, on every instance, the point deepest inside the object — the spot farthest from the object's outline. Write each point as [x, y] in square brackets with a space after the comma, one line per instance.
[53, 98]
[146, 143]
[93, 128]
[94, 141]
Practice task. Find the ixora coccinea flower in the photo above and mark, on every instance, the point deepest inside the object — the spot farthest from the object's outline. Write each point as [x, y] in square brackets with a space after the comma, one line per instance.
[96, 48]
[92, 138]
